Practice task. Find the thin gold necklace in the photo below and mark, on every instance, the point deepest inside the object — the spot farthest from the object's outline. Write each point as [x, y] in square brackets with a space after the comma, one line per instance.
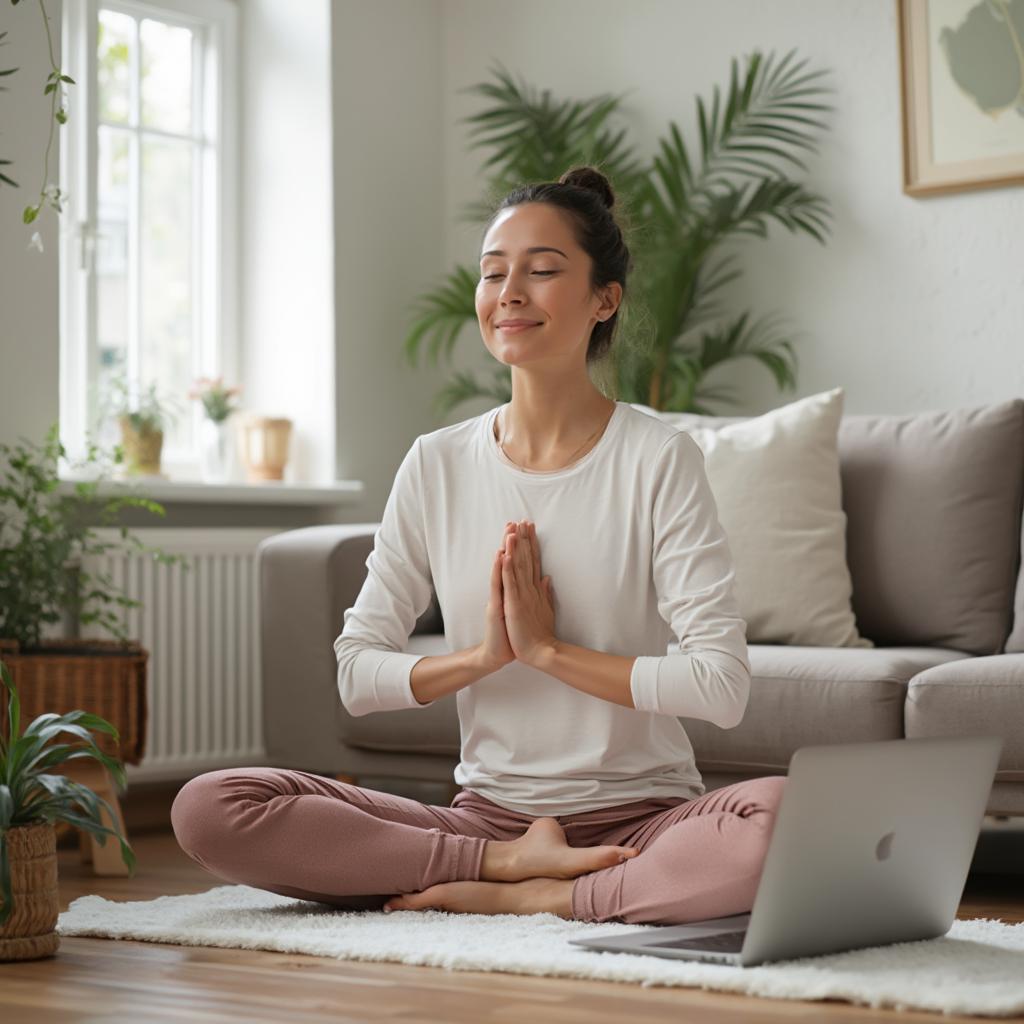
[501, 445]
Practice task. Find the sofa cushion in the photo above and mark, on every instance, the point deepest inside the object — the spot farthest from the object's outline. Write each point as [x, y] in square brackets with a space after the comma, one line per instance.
[933, 503]
[777, 487]
[933, 524]
[976, 697]
[1015, 641]
[804, 696]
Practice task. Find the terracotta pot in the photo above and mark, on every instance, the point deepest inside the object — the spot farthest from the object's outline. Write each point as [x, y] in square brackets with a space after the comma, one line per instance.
[141, 449]
[264, 443]
[30, 932]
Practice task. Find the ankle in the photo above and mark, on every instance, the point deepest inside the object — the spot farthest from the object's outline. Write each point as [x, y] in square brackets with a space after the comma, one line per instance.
[498, 862]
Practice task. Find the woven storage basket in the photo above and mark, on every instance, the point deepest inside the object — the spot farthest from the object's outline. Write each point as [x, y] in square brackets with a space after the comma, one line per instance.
[30, 932]
[104, 677]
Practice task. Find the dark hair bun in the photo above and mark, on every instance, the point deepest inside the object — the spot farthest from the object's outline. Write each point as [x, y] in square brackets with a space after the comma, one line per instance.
[590, 178]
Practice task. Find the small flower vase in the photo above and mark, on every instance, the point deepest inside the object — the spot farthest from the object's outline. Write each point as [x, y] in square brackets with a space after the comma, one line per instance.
[214, 451]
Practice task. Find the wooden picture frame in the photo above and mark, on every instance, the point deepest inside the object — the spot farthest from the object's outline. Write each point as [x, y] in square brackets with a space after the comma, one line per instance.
[960, 128]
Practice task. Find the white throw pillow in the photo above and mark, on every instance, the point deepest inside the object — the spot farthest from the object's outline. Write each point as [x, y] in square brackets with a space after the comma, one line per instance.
[776, 483]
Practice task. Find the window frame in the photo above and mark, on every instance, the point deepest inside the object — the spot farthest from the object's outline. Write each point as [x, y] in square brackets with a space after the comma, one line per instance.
[216, 282]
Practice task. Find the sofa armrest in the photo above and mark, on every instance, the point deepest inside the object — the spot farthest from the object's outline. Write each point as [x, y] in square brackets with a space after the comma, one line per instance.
[981, 696]
[307, 578]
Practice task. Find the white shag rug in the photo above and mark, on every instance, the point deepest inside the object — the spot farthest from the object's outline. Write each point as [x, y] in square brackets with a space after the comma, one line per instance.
[976, 969]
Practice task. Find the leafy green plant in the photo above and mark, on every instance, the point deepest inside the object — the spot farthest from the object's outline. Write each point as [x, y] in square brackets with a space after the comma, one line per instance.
[681, 211]
[45, 534]
[30, 794]
[55, 88]
[145, 410]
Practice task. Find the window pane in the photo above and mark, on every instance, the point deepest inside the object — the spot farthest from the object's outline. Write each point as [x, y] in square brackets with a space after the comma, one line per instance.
[115, 33]
[112, 279]
[166, 76]
[166, 267]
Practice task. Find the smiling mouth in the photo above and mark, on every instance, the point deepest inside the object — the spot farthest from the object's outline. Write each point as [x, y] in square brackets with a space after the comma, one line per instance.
[517, 327]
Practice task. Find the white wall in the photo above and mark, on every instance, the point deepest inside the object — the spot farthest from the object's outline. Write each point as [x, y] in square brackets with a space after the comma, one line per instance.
[287, 307]
[389, 225]
[913, 304]
[29, 340]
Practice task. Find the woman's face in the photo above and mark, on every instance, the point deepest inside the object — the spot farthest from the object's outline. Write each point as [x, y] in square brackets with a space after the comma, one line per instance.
[550, 288]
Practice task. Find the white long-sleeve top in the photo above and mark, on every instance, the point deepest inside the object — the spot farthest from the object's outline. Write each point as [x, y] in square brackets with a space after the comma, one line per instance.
[630, 536]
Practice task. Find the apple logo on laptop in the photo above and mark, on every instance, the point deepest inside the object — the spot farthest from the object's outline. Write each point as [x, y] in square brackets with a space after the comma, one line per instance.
[884, 847]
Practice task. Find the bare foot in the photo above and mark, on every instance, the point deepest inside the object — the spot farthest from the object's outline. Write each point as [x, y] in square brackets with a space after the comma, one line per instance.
[531, 896]
[542, 852]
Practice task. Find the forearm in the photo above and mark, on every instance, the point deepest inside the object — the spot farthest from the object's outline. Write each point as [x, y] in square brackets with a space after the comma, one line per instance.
[601, 675]
[438, 675]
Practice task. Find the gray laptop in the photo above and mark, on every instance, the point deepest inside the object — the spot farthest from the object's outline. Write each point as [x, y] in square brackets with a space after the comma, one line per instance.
[872, 845]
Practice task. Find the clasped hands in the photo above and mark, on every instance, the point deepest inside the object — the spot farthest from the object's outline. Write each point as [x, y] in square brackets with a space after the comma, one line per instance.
[520, 620]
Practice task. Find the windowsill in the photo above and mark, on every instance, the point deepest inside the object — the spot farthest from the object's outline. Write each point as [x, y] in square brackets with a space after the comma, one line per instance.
[233, 492]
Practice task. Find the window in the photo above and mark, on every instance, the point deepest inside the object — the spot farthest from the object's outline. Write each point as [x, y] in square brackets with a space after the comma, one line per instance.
[148, 260]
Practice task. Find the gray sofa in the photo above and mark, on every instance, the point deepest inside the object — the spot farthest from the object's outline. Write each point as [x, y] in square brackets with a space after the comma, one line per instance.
[933, 504]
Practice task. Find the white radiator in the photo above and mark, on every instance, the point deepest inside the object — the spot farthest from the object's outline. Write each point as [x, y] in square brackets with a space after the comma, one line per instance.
[201, 628]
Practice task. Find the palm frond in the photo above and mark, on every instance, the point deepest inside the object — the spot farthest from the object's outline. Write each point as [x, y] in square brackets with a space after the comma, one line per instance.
[765, 112]
[536, 140]
[444, 313]
[759, 339]
[748, 208]
[464, 386]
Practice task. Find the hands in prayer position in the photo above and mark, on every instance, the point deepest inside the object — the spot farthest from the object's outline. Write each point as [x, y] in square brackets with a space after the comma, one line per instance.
[520, 620]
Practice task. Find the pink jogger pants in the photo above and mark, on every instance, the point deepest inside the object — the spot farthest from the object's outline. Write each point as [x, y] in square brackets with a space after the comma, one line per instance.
[314, 838]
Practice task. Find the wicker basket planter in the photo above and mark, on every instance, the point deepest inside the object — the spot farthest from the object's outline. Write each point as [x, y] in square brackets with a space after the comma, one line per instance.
[103, 677]
[30, 932]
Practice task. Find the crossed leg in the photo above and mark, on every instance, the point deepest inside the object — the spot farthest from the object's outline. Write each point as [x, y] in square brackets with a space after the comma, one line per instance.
[315, 838]
[698, 860]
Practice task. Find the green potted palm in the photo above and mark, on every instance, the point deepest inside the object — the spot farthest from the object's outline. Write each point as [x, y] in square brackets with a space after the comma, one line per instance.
[32, 799]
[681, 212]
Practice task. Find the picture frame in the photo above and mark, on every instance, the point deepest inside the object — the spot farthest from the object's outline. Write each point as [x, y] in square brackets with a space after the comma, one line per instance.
[963, 127]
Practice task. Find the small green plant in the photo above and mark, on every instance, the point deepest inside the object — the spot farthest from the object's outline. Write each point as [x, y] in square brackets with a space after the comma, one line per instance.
[45, 534]
[30, 794]
[146, 410]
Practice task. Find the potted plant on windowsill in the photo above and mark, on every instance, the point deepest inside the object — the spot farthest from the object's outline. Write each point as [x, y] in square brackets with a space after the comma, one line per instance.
[32, 798]
[143, 416]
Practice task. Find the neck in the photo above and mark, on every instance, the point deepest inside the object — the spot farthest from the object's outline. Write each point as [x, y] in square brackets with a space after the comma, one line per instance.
[536, 430]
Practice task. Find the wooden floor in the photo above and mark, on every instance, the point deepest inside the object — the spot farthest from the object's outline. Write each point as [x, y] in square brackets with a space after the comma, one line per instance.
[105, 980]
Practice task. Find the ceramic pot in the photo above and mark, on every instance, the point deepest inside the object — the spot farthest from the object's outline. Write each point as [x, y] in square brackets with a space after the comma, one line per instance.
[141, 449]
[264, 442]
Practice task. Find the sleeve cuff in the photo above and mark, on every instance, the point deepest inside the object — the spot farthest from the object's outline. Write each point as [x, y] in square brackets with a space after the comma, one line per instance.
[387, 673]
[643, 683]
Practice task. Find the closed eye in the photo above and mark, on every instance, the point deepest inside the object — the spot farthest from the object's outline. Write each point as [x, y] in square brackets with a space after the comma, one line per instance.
[541, 272]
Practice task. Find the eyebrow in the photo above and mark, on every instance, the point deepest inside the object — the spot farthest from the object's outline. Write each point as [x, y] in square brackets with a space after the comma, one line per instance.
[534, 248]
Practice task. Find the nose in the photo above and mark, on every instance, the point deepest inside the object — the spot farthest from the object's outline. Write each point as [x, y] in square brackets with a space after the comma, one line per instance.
[511, 291]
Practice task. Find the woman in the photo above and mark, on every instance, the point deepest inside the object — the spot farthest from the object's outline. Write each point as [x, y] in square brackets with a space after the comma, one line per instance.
[599, 534]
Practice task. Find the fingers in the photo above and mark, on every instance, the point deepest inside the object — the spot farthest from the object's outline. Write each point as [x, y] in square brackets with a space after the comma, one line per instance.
[508, 576]
[496, 576]
[531, 532]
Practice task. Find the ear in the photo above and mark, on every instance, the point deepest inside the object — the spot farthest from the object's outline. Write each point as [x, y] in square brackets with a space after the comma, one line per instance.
[612, 299]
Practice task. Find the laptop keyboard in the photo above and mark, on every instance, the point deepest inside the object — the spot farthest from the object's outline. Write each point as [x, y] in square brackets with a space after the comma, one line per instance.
[726, 942]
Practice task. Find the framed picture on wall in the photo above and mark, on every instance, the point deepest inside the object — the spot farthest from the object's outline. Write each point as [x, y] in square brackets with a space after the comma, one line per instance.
[962, 83]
